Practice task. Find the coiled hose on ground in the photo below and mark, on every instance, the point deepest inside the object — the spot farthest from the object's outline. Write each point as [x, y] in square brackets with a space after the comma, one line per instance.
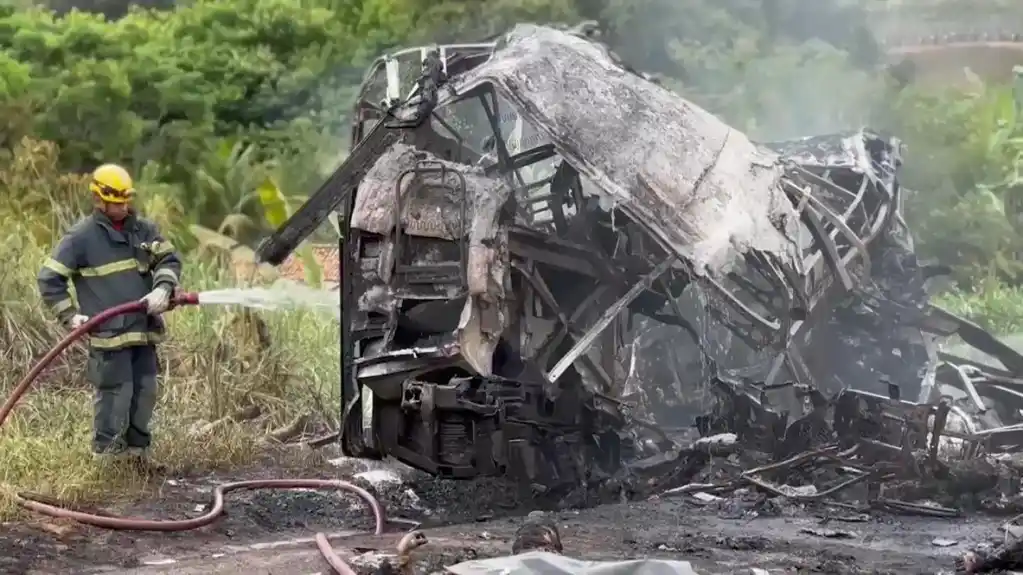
[217, 509]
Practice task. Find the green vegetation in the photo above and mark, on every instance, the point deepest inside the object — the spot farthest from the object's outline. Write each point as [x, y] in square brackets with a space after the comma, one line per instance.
[993, 305]
[232, 380]
[231, 111]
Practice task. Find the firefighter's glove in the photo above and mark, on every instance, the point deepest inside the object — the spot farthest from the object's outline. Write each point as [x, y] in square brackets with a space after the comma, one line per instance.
[77, 320]
[158, 300]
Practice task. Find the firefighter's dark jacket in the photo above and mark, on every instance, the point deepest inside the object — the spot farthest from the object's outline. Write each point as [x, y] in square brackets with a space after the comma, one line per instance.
[108, 268]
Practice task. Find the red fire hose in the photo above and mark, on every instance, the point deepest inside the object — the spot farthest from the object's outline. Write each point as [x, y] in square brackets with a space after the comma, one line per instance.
[217, 509]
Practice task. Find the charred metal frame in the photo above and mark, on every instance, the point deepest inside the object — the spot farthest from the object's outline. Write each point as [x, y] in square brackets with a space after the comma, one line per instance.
[427, 273]
[846, 193]
[550, 410]
[373, 106]
[753, 309]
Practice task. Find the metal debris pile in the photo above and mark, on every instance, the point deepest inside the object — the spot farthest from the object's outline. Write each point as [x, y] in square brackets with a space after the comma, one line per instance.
[866, 450]
[856, 452]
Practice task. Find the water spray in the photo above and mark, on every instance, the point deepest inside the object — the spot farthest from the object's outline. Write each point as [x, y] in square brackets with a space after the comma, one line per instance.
[33, 503]
[284, 297]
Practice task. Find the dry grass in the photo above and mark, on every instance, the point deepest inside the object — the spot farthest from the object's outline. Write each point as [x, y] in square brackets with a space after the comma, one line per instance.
[218, 363]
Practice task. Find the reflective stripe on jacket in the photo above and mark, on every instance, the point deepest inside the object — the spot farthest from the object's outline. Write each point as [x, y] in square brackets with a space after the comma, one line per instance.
[107, 268]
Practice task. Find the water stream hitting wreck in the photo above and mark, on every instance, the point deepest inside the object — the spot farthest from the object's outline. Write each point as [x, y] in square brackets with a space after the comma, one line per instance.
[556, 270]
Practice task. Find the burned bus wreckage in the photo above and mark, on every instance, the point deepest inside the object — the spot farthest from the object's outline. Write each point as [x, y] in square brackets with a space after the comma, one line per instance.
[549, 260]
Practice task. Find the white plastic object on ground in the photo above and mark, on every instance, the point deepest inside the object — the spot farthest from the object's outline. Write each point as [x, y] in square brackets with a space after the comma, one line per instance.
[543, 563]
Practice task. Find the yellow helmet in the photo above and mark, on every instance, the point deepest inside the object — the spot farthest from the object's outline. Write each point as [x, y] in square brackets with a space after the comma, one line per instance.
[112, 184]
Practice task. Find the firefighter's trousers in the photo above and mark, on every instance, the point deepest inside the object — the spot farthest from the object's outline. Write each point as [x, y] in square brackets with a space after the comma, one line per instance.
[126, 389]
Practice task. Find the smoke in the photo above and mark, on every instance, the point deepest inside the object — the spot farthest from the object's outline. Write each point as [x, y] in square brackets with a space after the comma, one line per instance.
[775, 69]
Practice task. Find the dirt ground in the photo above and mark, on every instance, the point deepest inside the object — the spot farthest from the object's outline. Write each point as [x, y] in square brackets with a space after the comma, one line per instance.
[271, 532]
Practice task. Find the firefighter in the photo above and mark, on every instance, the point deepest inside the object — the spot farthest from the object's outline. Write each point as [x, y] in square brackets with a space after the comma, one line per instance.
[113, 256]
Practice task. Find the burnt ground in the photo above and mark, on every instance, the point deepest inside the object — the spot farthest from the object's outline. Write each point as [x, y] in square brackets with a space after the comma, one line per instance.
[466, 520]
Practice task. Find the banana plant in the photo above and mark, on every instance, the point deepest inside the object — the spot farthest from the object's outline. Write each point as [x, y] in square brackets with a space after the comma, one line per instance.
[240, 258]
[226, 186]
[277, 210]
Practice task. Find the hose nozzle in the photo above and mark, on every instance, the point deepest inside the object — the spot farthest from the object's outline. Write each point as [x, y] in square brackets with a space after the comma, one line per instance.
[184, 298]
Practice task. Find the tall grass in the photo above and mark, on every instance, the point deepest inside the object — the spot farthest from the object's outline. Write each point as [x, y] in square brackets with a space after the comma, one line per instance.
[992, 305]
[228, 376]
